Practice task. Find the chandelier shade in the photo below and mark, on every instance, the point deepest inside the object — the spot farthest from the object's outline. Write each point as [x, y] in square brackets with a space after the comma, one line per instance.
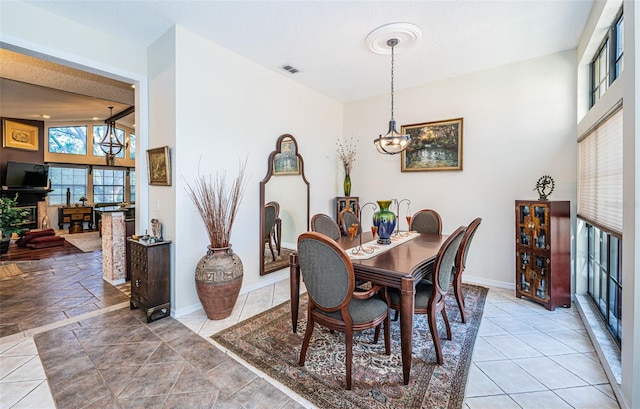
[392, 142]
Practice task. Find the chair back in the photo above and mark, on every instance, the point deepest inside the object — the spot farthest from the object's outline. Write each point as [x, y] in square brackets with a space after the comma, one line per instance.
[426, 221]
[270, 216]
[461, 257]
[324, 224]
[445, 260]
[348, 218]
[326, 270]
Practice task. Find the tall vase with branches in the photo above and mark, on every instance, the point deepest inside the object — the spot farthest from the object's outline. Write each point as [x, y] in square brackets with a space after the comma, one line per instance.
[347, 155]
[218, 275]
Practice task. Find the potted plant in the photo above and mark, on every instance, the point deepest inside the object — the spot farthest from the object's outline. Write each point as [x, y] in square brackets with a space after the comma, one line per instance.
[219, 273]
[11, 219]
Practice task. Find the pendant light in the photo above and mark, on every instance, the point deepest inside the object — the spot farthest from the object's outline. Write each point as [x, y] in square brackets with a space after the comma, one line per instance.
[392, 142]
[110, 144]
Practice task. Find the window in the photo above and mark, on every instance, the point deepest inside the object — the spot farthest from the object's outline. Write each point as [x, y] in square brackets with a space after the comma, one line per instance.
[603, 277]
[63, 178]
[68, 139]
[619, 31]
[600, 174]
[98, 134]
[608, 62]
[132, 186]
[108, 185]
[132, 146]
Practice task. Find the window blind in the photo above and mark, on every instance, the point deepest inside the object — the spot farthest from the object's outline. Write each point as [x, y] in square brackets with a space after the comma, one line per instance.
[600, 175]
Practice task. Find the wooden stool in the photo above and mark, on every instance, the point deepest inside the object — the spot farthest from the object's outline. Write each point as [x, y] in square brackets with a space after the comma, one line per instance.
[76, 227]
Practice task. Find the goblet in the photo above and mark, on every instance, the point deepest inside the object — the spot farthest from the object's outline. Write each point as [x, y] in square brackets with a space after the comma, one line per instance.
[374, 231]
[408, 223]
[353, 230]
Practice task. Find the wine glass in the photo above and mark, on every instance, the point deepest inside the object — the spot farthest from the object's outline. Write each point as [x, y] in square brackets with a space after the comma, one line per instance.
[353, 230]
[408, 223]
[374, 230]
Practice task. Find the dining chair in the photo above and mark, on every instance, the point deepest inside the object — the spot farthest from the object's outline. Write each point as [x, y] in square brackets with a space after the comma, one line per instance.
[270, 217]
[328, 275]
[426, 221]
[460, 264]
[347, 218]
[275, 232]
[430, 294]
[324, 224]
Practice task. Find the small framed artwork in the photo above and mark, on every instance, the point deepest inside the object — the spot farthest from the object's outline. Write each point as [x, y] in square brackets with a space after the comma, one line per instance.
[286, 162]
[159, 166]
[19, 136]
[434, 146]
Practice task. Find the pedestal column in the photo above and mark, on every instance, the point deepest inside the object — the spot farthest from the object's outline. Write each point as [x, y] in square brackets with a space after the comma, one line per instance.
[113, 251]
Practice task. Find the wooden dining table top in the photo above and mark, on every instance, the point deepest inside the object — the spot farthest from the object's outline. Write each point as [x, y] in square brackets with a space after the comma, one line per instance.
[403, 260]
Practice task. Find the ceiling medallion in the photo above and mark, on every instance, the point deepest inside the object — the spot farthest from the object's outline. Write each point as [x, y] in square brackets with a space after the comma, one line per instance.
[407, 34]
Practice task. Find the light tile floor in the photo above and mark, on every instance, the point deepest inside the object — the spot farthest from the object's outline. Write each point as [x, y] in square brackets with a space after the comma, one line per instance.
[524, 357]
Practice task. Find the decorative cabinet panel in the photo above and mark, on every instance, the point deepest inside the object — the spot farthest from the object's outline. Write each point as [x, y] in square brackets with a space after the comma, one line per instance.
[150, 281]
[75, 215]
[343, 202]
[543, 252]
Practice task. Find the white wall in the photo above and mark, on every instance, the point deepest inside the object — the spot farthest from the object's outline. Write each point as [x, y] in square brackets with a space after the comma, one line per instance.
[519, 124]
[228, 109]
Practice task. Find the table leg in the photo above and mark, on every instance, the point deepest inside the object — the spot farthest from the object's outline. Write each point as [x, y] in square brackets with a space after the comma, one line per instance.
[294, 284]
[406, 325]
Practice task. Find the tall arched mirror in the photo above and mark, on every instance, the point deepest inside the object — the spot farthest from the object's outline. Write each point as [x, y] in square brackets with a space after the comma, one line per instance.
[284, 201]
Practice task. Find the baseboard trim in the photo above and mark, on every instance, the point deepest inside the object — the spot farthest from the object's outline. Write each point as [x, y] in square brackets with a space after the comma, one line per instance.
[488, 282]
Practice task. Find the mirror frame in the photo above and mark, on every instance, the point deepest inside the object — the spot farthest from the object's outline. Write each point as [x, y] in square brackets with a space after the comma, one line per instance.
[263, 183]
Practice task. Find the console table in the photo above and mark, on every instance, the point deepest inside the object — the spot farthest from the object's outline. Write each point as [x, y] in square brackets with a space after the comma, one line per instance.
[75, 216]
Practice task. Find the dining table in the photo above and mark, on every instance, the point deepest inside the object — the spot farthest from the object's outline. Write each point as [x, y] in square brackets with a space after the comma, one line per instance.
[402, 266]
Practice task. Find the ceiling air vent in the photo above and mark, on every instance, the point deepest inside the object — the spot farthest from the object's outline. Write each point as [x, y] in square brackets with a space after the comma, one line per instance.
[290, 69]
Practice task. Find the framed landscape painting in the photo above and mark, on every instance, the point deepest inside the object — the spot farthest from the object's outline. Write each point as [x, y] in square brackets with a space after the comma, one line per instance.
[434, 146]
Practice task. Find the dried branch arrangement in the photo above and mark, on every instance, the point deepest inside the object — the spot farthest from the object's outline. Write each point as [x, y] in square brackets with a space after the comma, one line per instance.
[347, 153]
[217, 204]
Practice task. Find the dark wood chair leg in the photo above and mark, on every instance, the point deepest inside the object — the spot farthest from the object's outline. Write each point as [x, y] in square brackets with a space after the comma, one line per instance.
[348, 337]
[387, 335]
[433, 328]
[307, 338]
[446, 323]
[376, 335]
[457, 289]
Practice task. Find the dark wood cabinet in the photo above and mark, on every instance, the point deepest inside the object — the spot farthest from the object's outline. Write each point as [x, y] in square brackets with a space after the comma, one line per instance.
[75, 216]
[149, 264]
[543, 252]
[344, 202]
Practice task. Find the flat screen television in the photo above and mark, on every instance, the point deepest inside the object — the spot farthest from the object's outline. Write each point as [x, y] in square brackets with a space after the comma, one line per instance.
[27, 175]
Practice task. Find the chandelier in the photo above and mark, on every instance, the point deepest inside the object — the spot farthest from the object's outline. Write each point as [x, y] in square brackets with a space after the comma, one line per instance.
[392, 142]
[110, 144]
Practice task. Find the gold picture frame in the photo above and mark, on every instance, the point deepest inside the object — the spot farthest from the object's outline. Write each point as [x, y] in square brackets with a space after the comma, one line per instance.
[434, 146]
[19, 136]
[158, 166]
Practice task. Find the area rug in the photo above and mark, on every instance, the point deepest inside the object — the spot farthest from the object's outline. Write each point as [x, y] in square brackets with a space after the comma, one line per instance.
[9, 270]
[267, 342]
[282, 260]
[87, 242]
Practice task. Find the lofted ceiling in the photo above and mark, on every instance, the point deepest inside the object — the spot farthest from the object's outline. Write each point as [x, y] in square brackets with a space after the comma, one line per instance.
[325, 40]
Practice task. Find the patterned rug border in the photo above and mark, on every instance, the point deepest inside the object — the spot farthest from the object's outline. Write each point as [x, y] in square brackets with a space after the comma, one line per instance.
[351, 399]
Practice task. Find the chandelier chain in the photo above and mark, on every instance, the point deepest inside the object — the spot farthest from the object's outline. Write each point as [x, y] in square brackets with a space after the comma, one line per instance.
[392, 63]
